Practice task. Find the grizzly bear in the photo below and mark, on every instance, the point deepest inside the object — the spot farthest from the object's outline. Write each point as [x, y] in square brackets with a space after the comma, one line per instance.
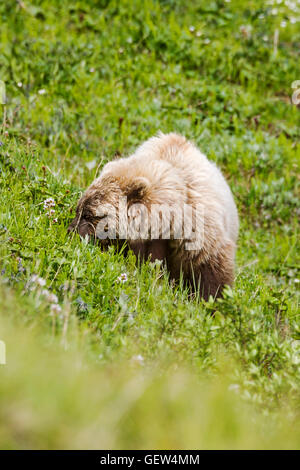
[175, 206]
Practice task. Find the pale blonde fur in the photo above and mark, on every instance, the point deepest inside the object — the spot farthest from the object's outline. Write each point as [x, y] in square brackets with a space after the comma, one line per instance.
[168, 169]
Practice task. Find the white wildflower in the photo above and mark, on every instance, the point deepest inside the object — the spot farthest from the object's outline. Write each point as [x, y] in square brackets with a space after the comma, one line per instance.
[49, 202]
[41, 282]
[52, 298]
[91, 164]
[138, 359]
[38, 280]
[123, 278]
[55, 308]
[34, 278]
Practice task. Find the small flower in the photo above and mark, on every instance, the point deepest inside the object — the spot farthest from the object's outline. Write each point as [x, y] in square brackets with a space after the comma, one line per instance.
[20, 84]
[55, 220]
[92, 70]
[138, 359]
[123, 278]
[52, 298]
[34, 278]
[192, 29]
[21, 268]
[41, 282]
[42, 91]
[246, 30]
[48, 206]
[49, 203]
[81, 304]
[64, 287]
[55, 308]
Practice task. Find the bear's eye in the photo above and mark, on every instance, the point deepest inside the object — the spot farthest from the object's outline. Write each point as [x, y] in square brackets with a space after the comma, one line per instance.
[87, 215]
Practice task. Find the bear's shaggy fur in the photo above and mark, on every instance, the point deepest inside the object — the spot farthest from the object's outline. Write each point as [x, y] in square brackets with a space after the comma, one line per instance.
[170, 171]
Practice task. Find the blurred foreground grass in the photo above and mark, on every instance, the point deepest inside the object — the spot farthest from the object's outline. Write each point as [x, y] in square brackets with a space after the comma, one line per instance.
[56, 396]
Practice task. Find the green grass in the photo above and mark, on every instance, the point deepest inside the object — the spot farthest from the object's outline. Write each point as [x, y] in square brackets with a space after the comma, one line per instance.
[138, 364]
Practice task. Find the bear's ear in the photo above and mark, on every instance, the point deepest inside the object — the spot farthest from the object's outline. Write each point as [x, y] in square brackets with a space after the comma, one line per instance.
[137, 188]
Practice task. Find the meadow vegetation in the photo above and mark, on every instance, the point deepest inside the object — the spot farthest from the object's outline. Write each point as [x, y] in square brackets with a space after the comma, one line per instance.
[100, 353]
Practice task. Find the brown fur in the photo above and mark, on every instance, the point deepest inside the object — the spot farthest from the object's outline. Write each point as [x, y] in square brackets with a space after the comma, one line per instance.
[166, 170]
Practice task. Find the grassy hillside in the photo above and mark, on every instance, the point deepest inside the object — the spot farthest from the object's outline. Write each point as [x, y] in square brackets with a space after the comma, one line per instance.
[96, 362]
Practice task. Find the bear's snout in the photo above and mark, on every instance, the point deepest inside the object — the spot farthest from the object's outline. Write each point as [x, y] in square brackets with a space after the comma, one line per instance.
[83, 227]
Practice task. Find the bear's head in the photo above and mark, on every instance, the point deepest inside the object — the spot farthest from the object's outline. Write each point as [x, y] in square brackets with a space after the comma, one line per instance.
[107, 200]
